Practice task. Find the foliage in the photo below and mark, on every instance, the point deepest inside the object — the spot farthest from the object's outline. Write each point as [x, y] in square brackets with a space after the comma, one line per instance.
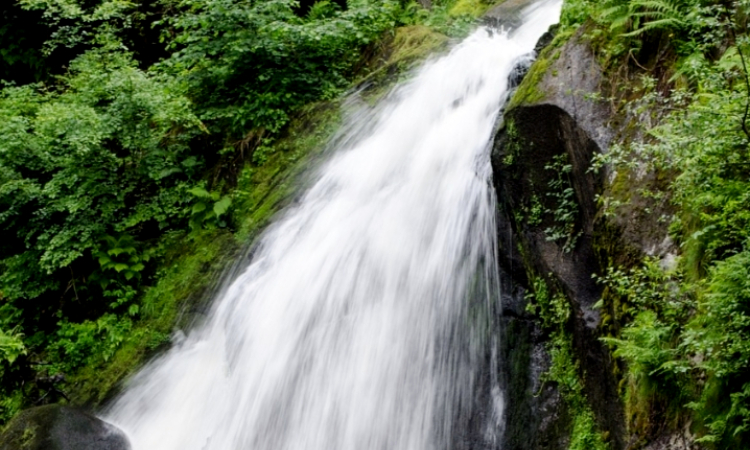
[142, 153]
[208, 208]
[563, 195]
[575, 13]
[720, 335]
[685, 339]
[91, 172]
[553, 309]
[11, 347]
[657, 310]
[643, 16]
[249, 65]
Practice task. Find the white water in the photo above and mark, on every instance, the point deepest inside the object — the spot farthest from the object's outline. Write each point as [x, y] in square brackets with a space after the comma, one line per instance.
[362, 321]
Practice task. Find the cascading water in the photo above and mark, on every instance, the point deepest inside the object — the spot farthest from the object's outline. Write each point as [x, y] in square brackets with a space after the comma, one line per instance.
[362, 321]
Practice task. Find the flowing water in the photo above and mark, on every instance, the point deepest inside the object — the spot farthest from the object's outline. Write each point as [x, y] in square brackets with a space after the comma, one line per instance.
[362, 321]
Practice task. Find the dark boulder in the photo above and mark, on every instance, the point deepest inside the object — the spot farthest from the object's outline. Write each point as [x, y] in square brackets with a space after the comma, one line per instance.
[556, 115]
[58, 427]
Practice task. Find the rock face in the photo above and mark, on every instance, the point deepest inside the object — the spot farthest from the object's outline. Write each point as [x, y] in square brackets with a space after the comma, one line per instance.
[58, 427]
[553, 121]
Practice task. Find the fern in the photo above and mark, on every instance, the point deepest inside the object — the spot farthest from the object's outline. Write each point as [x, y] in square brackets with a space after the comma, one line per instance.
[644, 16]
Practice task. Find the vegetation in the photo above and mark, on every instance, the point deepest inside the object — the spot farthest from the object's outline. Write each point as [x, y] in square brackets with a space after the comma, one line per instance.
[681, 329]
[553, 310]
[143, 143]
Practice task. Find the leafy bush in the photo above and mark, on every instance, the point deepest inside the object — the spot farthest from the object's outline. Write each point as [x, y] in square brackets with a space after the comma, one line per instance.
[720, 334]
[250, 64]
[91, 173]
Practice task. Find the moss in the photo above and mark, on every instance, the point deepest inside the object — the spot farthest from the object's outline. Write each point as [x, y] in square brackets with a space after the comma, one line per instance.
[264, 189]
[554, 311]
[565, 372]
[585, 435]
[414, 43]
[474, 8]
[528, 91]
[28, 437]
[397, 53]
[191, 267]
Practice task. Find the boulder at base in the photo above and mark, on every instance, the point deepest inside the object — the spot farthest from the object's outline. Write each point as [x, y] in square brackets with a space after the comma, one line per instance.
[58, 427]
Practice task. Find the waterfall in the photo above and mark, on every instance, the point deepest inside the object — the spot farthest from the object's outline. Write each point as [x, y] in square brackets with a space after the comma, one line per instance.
[362, 321]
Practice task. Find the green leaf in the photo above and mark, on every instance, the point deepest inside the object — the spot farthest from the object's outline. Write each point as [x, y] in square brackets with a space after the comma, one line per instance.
[199, 207]
[199, 192]
[222, 206]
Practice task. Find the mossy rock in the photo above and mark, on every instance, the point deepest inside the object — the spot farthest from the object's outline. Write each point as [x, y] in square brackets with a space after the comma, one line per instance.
[58, 427]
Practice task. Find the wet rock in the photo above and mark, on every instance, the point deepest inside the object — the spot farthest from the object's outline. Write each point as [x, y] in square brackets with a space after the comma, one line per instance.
[536, 418]
[562, 117]
[58, 427]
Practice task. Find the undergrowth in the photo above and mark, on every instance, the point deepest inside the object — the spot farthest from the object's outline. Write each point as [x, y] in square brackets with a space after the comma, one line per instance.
[685, 324]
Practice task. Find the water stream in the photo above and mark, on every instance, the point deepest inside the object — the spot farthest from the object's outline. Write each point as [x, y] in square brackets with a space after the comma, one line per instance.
[362, 321]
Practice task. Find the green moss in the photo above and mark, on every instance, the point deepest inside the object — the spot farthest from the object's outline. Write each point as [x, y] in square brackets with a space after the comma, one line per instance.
[28, 437]
[191, 266]
[513, 145]
[414, 43]
[553, 308]
[400, 51]
[474, 8]
[585, 435]
[528, 91]
[264, 189]
[565, 372]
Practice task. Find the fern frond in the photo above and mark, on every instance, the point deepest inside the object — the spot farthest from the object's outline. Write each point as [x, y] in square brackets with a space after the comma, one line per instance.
[661, 6]
[655, 25]
[618, 16]
[645, 15]
[614, 11]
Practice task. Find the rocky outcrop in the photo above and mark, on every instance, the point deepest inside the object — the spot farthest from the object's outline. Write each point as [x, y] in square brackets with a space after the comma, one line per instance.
[548, 222]
[536, 417]
[58, 427]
